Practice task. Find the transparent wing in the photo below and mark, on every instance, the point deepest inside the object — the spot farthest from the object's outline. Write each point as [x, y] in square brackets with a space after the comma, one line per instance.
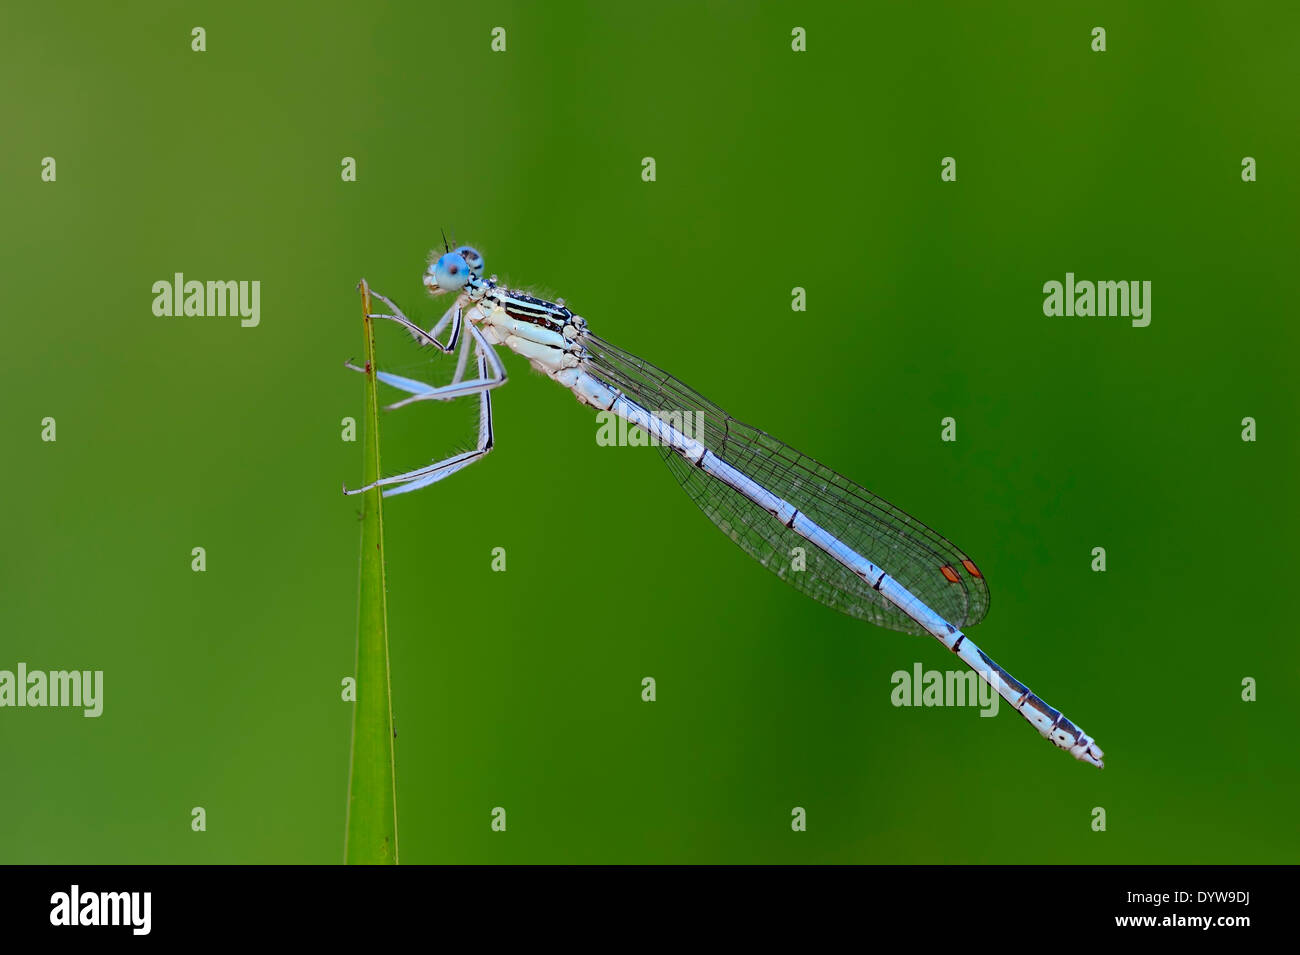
[933, 568]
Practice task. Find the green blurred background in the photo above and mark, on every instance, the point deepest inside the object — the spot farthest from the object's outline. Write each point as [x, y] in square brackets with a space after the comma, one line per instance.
[775, 169]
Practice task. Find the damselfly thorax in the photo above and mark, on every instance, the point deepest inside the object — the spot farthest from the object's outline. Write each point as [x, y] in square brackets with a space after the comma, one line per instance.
[546, 333]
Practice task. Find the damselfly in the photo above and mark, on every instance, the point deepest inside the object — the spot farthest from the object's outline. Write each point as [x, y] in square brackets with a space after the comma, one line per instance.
[867, 558]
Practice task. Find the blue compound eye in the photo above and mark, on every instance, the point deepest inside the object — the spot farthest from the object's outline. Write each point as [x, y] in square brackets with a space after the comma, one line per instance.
[451, 272]
[472, 258]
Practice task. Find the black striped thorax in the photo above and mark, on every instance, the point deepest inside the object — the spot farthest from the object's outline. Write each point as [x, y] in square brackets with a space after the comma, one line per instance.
[524, 308]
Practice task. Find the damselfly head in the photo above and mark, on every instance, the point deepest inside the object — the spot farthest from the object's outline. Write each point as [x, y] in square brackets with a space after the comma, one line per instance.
[452, 270]
[448, 273]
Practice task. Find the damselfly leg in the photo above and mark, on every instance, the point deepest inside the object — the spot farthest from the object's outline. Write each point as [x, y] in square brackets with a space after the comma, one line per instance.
[445, 469]
[491, 374]
[452, 314]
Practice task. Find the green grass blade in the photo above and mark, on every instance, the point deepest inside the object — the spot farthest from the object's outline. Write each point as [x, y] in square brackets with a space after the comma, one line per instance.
[372, 790]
